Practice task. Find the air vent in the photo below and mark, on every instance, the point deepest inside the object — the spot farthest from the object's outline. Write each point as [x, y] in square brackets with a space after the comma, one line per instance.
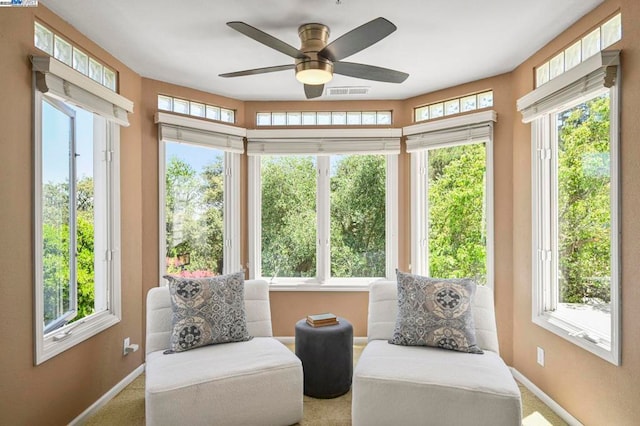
[347, 91]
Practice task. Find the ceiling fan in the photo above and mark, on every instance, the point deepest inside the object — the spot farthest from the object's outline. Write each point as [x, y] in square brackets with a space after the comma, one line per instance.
[316, 61]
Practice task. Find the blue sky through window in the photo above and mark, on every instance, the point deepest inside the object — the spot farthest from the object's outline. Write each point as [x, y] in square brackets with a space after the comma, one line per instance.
[55, 134]
[196, 156]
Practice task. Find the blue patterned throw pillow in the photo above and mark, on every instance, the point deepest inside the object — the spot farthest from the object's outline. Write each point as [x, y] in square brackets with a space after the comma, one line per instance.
[207, 311]
[435, 312]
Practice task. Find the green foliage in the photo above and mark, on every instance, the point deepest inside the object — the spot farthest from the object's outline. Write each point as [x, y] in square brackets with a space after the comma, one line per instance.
[457, 239]
[288, 216]
[194, 209]
[55, 270]
[56, 250]
[85, 274]
[584, 219]
[358, 217]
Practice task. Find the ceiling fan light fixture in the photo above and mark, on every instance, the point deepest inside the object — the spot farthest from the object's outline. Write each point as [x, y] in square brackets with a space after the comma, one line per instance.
[314, 72]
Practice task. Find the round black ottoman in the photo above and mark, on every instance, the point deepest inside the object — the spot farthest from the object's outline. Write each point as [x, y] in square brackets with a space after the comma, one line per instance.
[327, 358]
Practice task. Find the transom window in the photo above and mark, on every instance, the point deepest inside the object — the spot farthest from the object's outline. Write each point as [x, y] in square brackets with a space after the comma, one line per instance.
[598, 39]
[454, 106]
[69, 54]
[196, 109]
[324, 118]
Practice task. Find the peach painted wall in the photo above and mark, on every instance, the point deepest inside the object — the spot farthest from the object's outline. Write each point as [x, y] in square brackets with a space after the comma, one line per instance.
[61, 388]
[287, 307]
[591, 389]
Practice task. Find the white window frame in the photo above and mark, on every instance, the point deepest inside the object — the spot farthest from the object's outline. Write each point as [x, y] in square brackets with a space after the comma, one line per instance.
[322, 143]
[594, 76]
[61, 83]
[175, 128]
[462, 130]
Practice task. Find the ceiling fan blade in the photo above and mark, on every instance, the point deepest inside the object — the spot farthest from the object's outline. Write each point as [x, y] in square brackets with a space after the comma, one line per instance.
[313, 90]
[369, 72]
[258, 71]
[266, 39]
[357, 39]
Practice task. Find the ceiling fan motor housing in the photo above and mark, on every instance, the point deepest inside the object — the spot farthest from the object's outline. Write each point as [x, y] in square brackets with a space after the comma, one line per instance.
[314, 38]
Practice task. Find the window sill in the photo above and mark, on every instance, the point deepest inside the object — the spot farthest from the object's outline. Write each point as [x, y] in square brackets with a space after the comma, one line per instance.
[559, 323]
[331, 286]
[60, 340]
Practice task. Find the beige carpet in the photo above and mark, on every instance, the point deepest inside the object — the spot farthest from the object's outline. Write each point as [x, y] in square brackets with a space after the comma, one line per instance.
[127, 408]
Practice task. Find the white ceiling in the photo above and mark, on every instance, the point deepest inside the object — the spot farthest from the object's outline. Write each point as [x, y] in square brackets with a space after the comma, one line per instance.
[439, 43]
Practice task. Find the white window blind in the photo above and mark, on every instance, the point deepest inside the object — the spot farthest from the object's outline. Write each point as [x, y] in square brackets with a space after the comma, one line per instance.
[200, 132]
[596, 72]
[325, 142]
[65, 83]
[453, 131]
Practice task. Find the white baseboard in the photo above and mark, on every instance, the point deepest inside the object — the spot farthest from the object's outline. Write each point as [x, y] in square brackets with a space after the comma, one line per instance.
[82, 418]
[290, 340]
[557, 408]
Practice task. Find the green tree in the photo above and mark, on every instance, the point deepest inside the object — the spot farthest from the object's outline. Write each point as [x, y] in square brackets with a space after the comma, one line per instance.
[288, 216]
[85, 247]
[211, 243]
[457, 239]
[358, 211]
[181, 185]
[194, 206]
[584, 185]
[56, 245]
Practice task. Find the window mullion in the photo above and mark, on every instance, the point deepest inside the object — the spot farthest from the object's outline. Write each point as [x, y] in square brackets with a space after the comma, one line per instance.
[545, 225]
[424, 230]
[551, 162]
[73, 228]
[323, 237]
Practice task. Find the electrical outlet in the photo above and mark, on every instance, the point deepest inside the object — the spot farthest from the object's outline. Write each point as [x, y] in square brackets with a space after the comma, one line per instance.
[540, 356]
[126, 343]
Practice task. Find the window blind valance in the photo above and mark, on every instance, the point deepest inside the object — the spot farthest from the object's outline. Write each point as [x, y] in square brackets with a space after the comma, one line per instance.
[323, 147]
[62, 82]
[324, 142]
[442, 138]
[469, 128]
[192, 130]
[597, 72]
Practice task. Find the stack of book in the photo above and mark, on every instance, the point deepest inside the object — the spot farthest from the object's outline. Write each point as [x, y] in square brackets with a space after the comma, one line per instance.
[321, 320]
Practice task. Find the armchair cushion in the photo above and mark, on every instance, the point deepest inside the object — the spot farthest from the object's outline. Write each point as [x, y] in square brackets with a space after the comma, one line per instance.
[435, 312]
[207, 311]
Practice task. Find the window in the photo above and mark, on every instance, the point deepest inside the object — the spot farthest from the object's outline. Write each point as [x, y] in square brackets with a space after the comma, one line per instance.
[452, 197]
[453, 106]
[322, 219]
[599, 39]
[67, 53]
[313, 118]
[196, 109]
[199, 196]
[575, 206]
[77, 213]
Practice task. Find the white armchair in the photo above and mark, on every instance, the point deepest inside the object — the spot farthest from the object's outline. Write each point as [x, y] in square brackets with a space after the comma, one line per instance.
[250, 383]
[418, 385]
